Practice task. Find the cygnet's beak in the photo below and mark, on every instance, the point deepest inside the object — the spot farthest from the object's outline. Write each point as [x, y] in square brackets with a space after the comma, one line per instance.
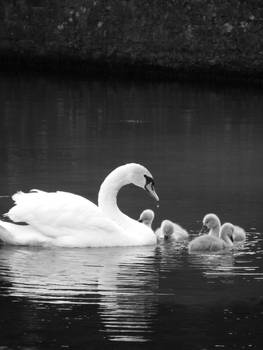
[150, 189]
[203, 230]
[140, 220]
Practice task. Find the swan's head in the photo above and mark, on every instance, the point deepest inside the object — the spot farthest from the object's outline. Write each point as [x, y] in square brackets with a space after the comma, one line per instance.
[210, 222]
[147, 217]
[227, 232]
[167, 228]
[141, 177]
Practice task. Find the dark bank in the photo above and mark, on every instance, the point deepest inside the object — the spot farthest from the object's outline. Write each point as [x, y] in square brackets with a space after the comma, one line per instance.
[193, 40]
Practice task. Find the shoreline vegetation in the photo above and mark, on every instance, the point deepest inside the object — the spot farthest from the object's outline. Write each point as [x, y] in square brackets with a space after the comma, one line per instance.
[194, 40]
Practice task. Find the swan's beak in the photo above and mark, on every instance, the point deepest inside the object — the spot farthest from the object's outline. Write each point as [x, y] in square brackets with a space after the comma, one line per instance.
[203, 230]
[150, 189]
[140, 220]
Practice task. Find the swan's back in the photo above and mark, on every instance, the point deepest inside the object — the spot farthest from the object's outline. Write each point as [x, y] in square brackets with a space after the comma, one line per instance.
[54, 213]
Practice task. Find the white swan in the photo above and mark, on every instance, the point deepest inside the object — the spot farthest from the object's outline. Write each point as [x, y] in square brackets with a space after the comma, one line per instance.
[171, 231]
[68, 220]
[212, 243]
[212, 223]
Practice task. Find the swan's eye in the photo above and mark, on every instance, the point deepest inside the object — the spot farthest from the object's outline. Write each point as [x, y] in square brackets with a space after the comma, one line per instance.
[149, 181]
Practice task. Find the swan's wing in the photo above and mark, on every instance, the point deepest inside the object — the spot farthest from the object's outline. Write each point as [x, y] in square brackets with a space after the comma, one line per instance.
[54, 213]
[99, 233]
[21, 235]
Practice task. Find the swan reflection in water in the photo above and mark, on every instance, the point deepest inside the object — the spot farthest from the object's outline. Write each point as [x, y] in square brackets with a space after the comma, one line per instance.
[123, 282]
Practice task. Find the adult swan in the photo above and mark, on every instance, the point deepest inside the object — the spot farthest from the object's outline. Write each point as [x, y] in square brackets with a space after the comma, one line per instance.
[68, 220]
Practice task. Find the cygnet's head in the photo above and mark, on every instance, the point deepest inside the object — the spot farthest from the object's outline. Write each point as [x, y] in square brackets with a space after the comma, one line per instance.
[141, 177]
[226, 232]
[147, 217]
[210, 221]
[167, 228]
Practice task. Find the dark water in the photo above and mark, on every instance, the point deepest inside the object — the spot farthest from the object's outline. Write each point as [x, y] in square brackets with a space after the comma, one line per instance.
[204, 147]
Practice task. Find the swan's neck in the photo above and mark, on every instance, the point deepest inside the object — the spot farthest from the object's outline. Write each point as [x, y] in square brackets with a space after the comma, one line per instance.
[107, 199]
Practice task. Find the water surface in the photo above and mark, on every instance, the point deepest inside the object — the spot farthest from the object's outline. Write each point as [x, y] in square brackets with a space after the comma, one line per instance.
[204, 147]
